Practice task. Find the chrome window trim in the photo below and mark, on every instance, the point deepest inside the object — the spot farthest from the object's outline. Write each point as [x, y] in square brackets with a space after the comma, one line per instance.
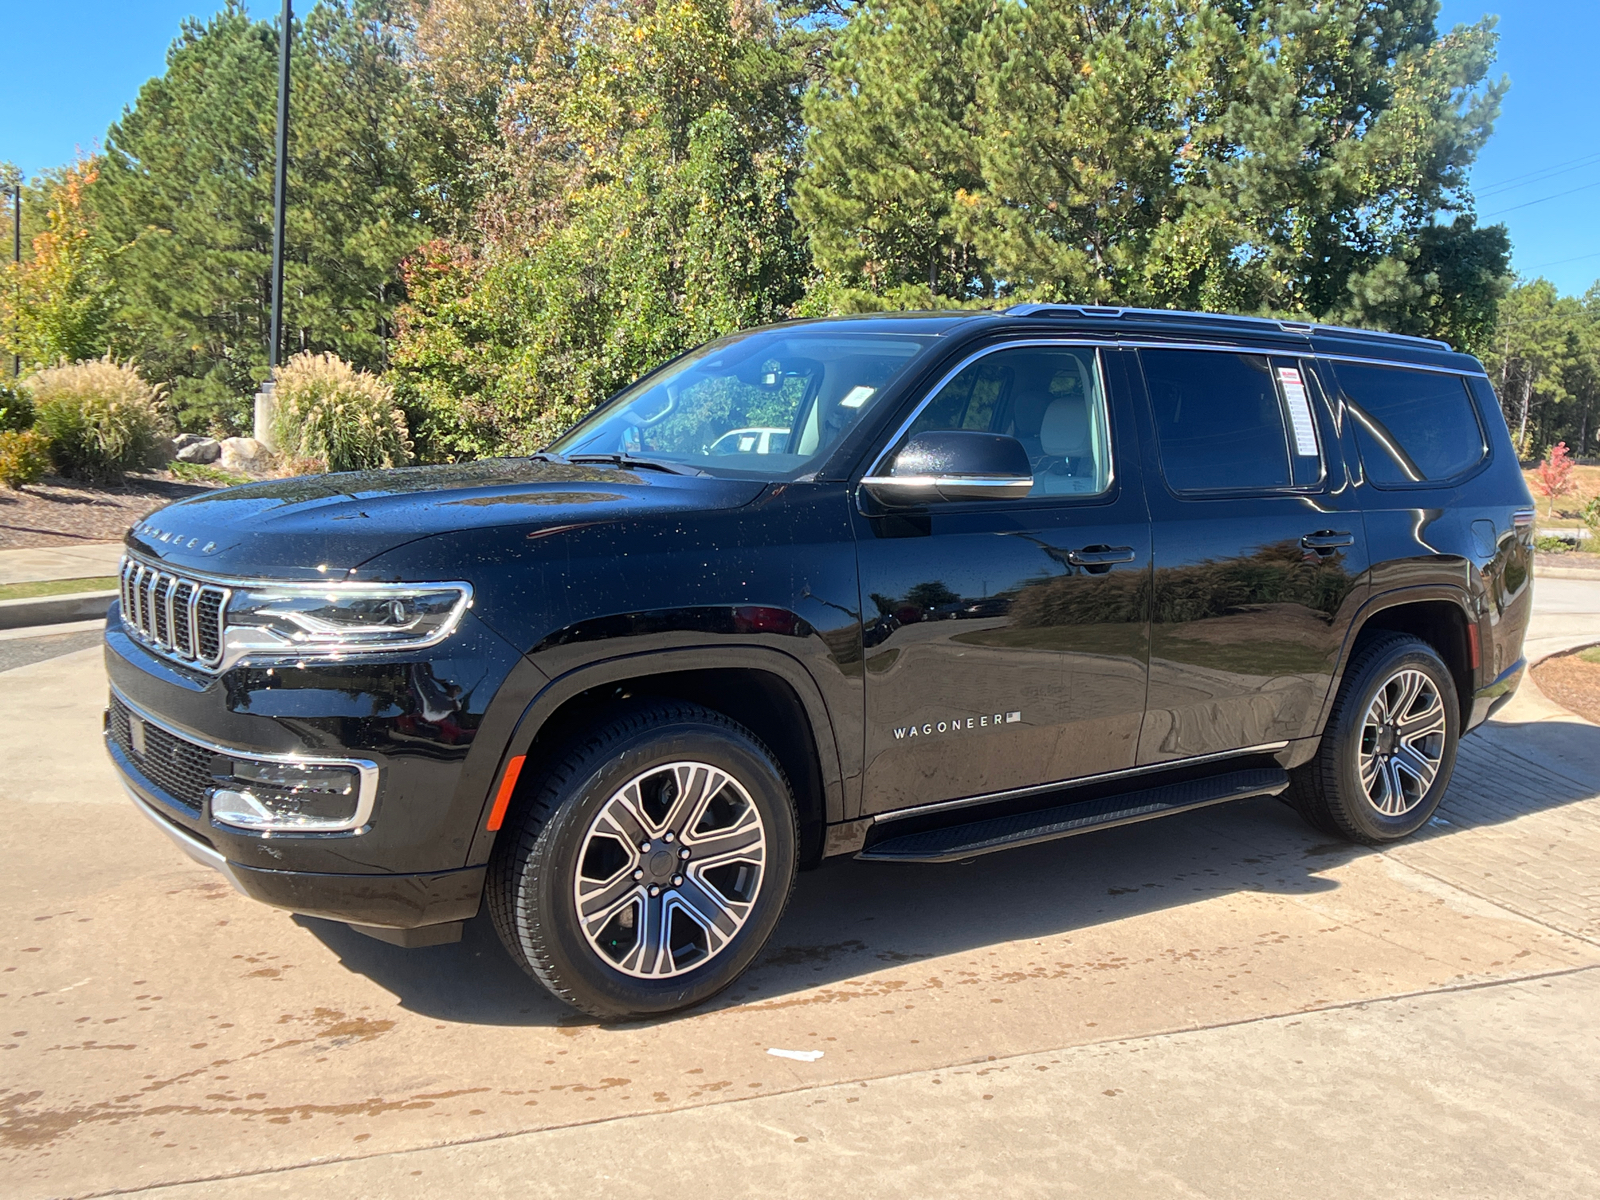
[1098, 343]
[1102, 342]
[1064, 784]
[366, 798]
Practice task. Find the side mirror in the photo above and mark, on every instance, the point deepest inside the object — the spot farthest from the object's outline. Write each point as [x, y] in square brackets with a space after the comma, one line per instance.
[954, 464]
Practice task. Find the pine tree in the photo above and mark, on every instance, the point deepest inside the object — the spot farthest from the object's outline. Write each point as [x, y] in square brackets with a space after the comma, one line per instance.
[186, 196]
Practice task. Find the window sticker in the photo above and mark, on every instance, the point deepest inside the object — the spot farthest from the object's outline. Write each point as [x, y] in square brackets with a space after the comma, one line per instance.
[1305, 432]
[857, 396]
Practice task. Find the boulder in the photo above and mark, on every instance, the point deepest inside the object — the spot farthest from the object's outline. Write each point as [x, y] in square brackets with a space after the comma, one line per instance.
[161, 452]
[201, 450]
[189, 439]
[244, 454]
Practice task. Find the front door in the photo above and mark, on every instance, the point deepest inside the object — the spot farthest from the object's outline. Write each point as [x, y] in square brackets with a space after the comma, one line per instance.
[1259, 551]
[1006, 641]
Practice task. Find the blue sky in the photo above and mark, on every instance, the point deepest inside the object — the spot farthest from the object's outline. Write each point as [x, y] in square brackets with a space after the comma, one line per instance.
[1540, 174]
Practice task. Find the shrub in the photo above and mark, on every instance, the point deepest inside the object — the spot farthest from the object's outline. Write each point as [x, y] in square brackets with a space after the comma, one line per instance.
[16, 408]
[1591, 514]
[101, 417]
[1550, 543]
[24, 457]
[330, 412]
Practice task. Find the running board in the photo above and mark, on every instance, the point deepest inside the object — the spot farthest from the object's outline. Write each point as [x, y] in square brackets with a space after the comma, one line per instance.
[954, 843]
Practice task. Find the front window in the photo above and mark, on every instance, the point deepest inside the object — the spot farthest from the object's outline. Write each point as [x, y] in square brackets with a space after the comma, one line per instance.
[768, 404]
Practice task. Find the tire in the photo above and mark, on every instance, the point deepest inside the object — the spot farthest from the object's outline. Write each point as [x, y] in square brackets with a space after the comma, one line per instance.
[686, 916]
[1353, 789]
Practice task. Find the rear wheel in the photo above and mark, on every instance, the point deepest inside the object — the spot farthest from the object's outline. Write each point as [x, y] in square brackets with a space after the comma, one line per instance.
[1389, 747]
[651, 865]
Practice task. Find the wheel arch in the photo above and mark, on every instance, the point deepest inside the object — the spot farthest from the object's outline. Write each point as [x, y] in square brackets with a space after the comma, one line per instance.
[768, 692]
[1441, 616]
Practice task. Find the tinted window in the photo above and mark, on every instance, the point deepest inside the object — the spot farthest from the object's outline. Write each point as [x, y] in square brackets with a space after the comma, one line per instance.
[1219, 420]
[1049, 398]
[1411, 426]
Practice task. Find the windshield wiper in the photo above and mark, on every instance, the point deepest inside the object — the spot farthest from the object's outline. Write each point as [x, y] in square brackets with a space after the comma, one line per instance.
[630, 460]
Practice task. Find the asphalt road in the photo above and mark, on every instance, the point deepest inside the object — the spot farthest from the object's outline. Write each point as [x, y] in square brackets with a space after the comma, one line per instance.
[1221, 1004]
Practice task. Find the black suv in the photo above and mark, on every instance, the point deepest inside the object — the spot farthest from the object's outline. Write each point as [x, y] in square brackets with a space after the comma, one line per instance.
[912, 588]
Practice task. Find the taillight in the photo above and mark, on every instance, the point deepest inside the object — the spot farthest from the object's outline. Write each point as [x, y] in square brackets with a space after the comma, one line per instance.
[1522, 518]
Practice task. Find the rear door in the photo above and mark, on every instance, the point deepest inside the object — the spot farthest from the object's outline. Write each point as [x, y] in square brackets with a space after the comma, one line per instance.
[1258, 545]
[1006, 640]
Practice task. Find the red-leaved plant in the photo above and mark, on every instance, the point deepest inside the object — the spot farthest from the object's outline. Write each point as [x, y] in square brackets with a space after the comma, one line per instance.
[1553, 476]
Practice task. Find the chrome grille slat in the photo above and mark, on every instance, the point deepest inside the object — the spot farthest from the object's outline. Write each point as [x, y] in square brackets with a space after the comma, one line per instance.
[179, 616]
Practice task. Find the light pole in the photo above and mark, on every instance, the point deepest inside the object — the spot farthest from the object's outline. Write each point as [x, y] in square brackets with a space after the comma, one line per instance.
[16, 266]
[266, 403]
[280, 186]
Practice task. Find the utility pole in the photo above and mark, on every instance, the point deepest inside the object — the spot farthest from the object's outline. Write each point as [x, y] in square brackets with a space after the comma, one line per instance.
[280, 184]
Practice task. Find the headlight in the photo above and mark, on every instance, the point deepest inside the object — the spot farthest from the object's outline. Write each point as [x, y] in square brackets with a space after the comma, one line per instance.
[291, 620]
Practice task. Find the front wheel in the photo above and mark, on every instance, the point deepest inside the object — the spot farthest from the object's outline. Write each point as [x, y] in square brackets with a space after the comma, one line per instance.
[1389, 747]
[650, 866]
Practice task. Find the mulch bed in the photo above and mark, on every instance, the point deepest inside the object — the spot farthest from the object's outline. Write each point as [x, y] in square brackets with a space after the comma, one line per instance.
[1571, 683]
[64, 512]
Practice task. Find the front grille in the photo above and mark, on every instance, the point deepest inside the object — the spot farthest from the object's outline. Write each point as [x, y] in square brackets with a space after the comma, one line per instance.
[180, 617]
[178, 767]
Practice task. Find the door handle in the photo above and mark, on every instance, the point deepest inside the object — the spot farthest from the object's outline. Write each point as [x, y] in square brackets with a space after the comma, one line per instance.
[1326, 540]
[1100, 556]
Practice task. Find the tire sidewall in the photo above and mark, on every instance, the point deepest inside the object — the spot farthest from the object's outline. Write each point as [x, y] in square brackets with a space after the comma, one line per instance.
[549, 872]
[1369, 822]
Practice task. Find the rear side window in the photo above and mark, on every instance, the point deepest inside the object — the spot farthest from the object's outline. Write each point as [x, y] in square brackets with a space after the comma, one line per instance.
[1221, 421]
[1412, 426]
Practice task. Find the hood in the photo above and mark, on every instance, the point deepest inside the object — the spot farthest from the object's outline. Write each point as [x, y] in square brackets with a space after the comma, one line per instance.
[311, 527]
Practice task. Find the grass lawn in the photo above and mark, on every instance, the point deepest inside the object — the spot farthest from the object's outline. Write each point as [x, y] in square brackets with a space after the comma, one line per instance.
[1568, 508]
[57, 587]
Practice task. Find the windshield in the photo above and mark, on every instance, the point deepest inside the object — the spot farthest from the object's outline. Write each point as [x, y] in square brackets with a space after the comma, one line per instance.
[771, 403]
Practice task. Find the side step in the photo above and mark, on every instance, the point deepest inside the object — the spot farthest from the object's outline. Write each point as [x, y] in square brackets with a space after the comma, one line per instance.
[956, 842]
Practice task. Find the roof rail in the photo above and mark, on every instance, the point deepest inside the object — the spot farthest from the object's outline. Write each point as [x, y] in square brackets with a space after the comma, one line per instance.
[1305, 328]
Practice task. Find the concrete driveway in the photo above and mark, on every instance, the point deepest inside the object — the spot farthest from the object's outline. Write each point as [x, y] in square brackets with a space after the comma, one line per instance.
[1222, 1004]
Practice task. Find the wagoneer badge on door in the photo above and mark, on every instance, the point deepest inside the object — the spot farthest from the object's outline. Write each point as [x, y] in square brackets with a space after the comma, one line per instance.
[960, 723]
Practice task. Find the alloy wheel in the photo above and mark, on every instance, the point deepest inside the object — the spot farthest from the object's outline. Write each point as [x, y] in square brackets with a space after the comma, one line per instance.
[1402, 742]
[669, 870]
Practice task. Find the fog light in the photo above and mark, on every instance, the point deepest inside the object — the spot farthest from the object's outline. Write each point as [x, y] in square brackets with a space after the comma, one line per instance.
[306, 797]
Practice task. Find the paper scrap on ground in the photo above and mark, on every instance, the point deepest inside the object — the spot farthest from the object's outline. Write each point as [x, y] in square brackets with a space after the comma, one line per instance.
[798, 1055]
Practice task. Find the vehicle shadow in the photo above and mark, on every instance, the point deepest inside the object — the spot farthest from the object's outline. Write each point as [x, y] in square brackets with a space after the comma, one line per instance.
[850, 918]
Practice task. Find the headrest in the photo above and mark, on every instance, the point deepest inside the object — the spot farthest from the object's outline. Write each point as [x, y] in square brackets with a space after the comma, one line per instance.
[1064, 432]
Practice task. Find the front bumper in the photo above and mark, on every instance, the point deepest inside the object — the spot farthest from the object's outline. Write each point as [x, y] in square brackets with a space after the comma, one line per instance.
[409, 725]
[369, 902]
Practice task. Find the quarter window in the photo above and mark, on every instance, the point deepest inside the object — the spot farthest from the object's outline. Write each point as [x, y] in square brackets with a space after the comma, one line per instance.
[1050, 398]
[1412, 426]
[1229, 422]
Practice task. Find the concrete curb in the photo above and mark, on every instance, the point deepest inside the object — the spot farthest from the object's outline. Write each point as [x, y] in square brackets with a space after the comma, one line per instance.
[1566, 573]
[55, 610]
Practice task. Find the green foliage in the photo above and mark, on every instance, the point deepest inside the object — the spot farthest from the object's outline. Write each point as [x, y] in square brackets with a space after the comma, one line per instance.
[56, 305]
[341, 418]
[100, 417]
[16, 408]
[1287, 156]
[1591, 514]
[1544, 358]
[189, 472]
[671, 227]
[186, 190]
[1551, 544]
[24, 457]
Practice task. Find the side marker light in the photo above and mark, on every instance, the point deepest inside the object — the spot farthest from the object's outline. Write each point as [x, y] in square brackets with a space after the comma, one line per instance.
[502, 799]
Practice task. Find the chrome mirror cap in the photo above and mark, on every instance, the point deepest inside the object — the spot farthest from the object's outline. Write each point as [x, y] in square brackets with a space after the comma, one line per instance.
[900, 491]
